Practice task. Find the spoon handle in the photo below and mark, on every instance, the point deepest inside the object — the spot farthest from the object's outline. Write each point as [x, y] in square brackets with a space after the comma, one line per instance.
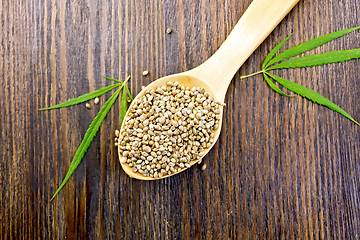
[261, 17]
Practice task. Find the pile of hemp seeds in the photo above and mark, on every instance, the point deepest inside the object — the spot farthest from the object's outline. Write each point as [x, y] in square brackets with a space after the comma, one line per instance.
[167, 128]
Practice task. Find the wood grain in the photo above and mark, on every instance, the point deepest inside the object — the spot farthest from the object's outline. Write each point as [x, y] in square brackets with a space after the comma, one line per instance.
[282, 169]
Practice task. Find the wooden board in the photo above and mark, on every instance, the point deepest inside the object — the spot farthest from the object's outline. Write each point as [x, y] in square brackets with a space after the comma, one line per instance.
[283, 167]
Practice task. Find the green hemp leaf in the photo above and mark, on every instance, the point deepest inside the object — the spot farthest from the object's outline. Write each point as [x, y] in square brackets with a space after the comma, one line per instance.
[96, 123]
[282, 61]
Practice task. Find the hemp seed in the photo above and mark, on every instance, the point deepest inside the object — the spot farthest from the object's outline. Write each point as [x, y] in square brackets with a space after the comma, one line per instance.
[117, 133]
[96, 100]
[203, 167]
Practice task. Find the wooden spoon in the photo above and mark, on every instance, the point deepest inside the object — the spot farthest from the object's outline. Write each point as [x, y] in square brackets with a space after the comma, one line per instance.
[216, 73]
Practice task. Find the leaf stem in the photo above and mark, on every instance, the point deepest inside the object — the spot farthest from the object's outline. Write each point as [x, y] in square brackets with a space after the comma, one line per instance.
[253, 74]
[127, 79]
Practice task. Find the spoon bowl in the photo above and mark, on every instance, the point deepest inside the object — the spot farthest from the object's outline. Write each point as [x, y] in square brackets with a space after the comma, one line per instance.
[215, 74]
[187, 81]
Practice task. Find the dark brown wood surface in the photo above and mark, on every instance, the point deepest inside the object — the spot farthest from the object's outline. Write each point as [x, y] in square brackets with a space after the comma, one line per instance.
[283, 168]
